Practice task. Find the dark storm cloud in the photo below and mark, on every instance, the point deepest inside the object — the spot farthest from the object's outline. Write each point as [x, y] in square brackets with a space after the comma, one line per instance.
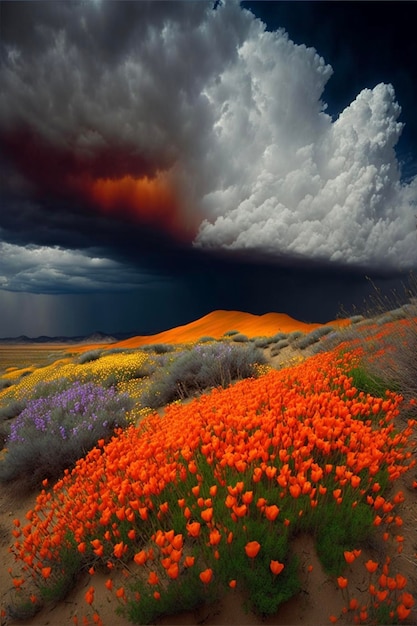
[142, 129]
[43, 269]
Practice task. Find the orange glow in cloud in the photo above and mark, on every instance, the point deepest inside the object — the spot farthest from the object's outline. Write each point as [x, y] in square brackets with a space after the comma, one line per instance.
[152, 201]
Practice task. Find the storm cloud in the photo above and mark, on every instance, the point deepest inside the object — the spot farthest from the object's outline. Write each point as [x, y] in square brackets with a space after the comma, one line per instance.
[141, 136]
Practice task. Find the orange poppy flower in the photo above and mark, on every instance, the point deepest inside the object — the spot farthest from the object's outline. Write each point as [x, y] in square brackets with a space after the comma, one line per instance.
[207, 514]
[214, 537]
[355, 481]
[119, 549]
[349, 556]
[342, 582]
[189, 561]
[206, 576]
[271, 512]
[252, 548]
[403, 612]
[177, 542]
[407, 599]
[232, 584]
[89, 595]
[143, 512]
[401, 581]
[193, 529]
[240, 511]
[140, 558]
[164, 507]
[230, 501]
[295, 490]
[153, 578]
[120, 593]
[176, 555]
[173, 570]
[276, 567]
[18, 582]
[371, 566]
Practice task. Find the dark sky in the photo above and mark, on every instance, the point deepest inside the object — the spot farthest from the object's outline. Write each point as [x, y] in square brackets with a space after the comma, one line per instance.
[162, 160]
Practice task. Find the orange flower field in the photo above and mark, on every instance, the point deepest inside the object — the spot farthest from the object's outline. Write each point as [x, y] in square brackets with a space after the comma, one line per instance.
[209, 497]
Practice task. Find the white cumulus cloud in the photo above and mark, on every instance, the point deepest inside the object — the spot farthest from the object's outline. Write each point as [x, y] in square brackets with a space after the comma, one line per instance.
[231, 114]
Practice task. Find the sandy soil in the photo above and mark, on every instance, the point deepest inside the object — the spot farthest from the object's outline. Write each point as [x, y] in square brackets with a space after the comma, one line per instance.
[217, 323]
[319, 597]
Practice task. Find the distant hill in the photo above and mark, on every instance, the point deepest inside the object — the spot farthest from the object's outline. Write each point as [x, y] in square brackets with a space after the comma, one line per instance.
[96, 338]
[217, 323]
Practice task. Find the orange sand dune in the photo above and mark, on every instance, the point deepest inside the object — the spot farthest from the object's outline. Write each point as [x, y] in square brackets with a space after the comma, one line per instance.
[217, 323]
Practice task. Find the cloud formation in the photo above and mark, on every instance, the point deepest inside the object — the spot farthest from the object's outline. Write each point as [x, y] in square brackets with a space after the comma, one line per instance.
[194, 122]
[43, 269]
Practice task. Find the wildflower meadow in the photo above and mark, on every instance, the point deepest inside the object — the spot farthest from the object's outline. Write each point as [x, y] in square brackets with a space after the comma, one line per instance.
[179, 508]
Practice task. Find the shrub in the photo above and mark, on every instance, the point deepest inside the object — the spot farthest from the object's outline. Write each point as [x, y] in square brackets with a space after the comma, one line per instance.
[159, 348]
[276, 348]
[262, 342]
[117, 351]
[240, 338]
[230, 333]
[206, 339]
[200, 368]
[48, 388]
[313, 337]
[354, 319]
[278, 337]
[90, 355]
[296, 334]
[12, 409]
[52, 432]
[5, 384]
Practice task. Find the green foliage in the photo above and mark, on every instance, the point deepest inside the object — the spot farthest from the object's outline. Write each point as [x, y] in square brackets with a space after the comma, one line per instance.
[373, 384]
[184, 594]
[341, 528]
[267, 592]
